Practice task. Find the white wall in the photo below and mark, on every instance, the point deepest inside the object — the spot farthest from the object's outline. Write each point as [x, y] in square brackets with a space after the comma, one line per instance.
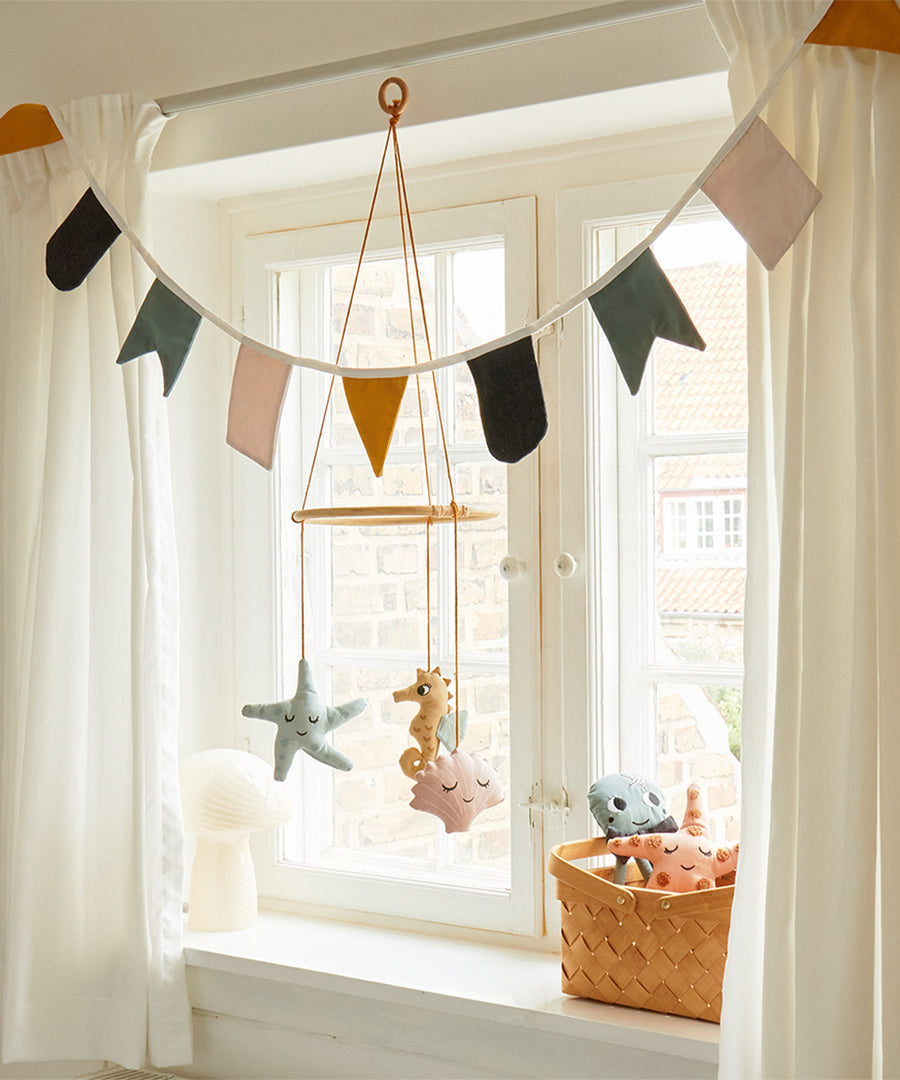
[249, 1028]
[57, 50]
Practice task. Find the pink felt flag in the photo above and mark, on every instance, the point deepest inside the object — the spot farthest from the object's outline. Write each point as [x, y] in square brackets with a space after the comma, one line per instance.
[763, 192]
[254, 411]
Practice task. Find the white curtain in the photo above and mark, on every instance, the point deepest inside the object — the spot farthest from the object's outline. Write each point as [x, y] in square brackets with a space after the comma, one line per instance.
[90, 825]
[812, 985]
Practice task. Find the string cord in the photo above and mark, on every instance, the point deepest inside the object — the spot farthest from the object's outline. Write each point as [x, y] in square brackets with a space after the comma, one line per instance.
[456, 611]
[406, 214]
[406, 222]
[401, 184]
[328, 396]
[340, 347]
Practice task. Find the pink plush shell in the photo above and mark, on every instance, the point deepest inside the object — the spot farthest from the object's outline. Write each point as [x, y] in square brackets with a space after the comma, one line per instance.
[456, 788]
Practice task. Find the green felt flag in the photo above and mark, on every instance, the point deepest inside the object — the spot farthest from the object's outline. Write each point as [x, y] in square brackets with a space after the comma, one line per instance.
[164, 325]
[635, 308]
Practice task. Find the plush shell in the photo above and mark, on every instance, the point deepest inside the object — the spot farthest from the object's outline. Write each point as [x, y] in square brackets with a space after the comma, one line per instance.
[456, 788]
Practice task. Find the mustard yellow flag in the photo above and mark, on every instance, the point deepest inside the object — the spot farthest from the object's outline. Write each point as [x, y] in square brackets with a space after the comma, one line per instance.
[374, 405]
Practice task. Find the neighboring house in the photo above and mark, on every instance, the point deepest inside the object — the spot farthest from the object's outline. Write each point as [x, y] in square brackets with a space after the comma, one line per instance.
[702, 534]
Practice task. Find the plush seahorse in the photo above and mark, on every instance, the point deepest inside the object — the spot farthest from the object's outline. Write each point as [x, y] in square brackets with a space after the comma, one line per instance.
[431, 692]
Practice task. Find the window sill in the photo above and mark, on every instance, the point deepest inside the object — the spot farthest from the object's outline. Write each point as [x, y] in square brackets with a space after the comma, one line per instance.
[462, 980]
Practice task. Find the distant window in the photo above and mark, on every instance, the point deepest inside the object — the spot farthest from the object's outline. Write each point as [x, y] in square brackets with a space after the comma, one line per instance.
[713, 525]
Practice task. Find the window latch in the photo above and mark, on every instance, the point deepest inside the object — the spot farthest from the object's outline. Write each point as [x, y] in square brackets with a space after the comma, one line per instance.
[554, 806]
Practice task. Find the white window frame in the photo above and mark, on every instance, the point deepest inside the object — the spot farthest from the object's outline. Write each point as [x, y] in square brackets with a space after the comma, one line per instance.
[604, 445]
[259, 666]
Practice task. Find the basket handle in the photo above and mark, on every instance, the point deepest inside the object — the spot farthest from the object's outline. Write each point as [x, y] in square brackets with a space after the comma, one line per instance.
[597, 888]
[666, 904]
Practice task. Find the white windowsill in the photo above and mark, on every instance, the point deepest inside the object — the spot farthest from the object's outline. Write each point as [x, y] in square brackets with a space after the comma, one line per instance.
[483, 982]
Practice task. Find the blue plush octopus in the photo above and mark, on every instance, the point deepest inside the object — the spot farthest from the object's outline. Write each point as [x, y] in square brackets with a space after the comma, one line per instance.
[624, 804]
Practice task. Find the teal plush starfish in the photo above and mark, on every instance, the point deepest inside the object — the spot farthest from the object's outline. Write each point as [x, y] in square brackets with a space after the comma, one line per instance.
[303, 722]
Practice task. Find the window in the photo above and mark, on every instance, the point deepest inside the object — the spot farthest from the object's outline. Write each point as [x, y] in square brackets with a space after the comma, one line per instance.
[712, 524]
[664, 532]
[354, 839]
[629, 657]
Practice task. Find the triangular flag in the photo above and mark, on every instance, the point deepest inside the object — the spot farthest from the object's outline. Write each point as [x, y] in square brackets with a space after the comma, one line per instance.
[258, 388]
[25, 126]
[79, 243]
[164, 325]
[374, 404]
[636, 307]
[763, 192]
[860, 24]
[510, 399]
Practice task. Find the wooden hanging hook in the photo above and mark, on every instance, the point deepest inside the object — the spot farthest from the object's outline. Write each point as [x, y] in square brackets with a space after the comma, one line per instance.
[395, 107]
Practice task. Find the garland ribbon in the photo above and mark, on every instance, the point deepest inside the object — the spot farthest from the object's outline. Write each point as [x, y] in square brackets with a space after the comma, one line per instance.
[751, 178]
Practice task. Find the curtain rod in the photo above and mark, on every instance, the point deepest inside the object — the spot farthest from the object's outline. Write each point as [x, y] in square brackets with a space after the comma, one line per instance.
[497, 37]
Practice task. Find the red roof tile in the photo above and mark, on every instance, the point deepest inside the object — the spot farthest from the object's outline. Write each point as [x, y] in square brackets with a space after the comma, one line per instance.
[715, 590]
[706, 390]
[701, 472]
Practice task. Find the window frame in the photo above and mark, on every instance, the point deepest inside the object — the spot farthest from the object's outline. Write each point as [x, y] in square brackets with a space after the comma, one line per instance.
[603, 441]
[258, 662]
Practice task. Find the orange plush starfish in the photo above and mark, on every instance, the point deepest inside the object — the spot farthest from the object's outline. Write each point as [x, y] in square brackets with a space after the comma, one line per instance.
[685, 860]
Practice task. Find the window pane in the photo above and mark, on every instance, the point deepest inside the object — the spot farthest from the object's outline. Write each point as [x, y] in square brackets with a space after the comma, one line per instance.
[478, 314]
[367, 586]
[378, 334]
[700, 556]
[484, 622]
[704, 391]
[699, 731]
[370, 805]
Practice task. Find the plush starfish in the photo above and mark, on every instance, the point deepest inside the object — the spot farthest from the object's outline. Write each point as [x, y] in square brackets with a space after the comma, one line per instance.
[303, 722]
[684, 860]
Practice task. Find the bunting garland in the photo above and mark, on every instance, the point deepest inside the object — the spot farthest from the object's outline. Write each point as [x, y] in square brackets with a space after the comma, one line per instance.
[752, 179]
[80, 243]
[165, 325]
[26, 126]
[258, 388]
[374, 405]
[764, 193]
[510, 400]
[860, 24]
[634, 309]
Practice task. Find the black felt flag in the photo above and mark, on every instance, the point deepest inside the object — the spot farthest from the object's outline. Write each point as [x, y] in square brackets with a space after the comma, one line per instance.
[636, 307]
[510, 399]
[165, 325]
[79, 243]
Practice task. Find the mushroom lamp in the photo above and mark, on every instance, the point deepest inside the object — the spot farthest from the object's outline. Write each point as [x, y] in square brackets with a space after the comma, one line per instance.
[226, 795]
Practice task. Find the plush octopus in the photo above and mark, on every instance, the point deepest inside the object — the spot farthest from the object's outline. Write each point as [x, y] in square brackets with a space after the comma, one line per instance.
[624, 804]
[685, 860]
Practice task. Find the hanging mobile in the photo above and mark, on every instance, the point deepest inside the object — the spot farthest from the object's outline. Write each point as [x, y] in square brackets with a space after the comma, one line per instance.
[454, 786]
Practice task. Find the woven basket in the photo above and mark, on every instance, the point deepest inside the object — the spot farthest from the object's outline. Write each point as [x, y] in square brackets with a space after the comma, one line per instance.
[627, 945]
